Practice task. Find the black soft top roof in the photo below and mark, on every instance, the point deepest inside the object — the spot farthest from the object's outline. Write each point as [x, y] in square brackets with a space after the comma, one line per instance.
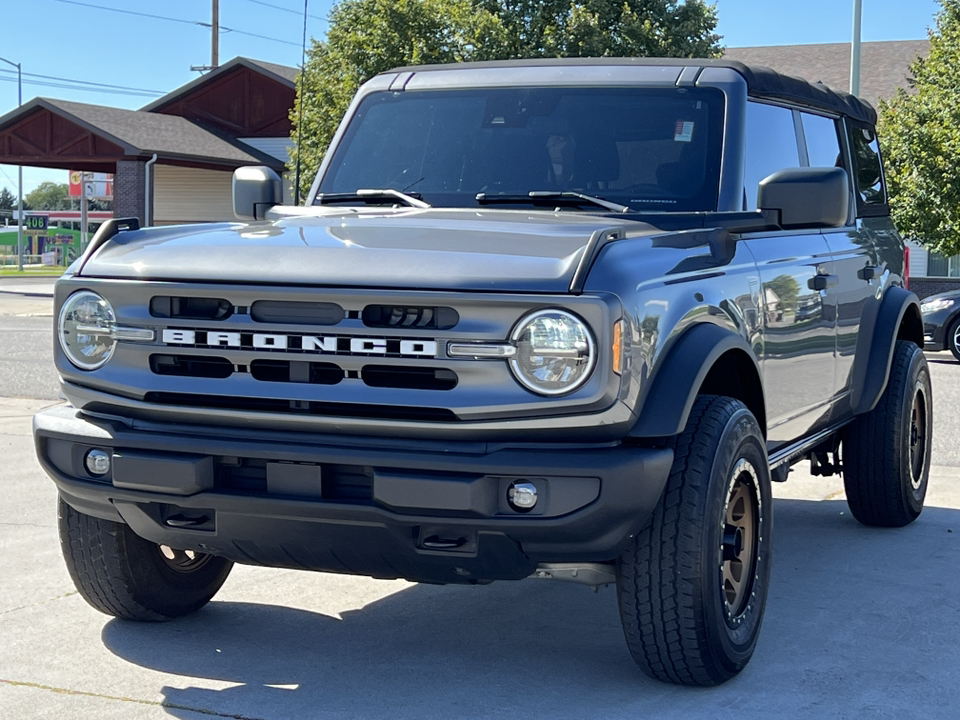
[762, 82]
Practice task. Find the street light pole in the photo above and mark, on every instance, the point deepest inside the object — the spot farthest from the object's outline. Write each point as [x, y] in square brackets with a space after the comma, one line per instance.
[855, 54]
[19, 173]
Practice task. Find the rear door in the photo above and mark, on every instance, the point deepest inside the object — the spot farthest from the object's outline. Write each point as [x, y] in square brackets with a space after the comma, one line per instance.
[867, 254]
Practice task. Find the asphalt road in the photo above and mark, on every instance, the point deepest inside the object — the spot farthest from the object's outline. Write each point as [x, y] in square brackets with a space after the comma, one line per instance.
[861, 623]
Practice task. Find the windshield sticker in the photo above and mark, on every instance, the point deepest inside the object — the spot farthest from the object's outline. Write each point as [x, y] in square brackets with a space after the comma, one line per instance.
[683, 131]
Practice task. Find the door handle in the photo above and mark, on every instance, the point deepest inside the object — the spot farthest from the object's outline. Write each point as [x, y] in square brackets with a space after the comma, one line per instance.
[822, 282]
[867, 273]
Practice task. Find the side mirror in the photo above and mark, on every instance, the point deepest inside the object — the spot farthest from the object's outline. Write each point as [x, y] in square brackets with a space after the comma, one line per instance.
[256, 189]
[807, 197]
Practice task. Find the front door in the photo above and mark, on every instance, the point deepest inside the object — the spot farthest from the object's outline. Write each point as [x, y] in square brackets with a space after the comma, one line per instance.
[798, 359]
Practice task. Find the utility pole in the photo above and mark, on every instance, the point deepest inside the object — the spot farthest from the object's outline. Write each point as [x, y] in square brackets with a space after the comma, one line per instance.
[214, 41]
[855, 53]
[215, 26]
[19, 172]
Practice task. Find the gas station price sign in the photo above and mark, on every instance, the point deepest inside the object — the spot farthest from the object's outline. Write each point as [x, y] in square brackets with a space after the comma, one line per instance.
[36, 224]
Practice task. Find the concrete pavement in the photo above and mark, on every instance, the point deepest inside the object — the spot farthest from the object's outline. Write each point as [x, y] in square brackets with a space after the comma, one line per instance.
[861, 623]
[29, 286]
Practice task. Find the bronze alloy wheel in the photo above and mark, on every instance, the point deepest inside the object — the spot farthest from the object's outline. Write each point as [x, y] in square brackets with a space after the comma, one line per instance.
[184, 561]
[739, 541]
[918, 436]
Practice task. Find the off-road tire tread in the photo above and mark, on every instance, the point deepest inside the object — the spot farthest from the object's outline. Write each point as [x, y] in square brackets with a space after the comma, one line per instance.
[659, 573]
[871, 446]
[99, 556]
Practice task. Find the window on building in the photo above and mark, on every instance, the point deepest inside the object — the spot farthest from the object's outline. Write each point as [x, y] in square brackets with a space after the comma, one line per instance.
[771, 145]
[942, 266]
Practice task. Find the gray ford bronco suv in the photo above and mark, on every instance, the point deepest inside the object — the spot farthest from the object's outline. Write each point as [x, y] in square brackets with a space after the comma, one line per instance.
[560, 319]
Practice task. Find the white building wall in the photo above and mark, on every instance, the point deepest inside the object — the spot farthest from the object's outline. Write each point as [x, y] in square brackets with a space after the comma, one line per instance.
[184, 195]
[276, 147]
[918, 259]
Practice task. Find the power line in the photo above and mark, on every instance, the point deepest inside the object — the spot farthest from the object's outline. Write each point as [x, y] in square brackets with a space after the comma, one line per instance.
[65, 86]
[286, 10]
[176, 20]
[84, 82]
[128, 12]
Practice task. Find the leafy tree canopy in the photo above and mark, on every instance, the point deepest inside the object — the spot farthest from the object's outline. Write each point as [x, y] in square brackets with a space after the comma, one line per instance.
[920, 133]
[48, 196]
[366, 37]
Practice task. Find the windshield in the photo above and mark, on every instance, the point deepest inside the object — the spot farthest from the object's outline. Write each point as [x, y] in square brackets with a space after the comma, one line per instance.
[649, 149]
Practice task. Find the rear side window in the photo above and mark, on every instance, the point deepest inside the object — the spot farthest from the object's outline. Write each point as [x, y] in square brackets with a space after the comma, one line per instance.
[823, 142]
[771, 145]
[867, 170]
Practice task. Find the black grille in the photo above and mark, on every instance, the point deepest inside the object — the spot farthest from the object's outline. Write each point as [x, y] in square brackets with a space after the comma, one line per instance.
[302, 407]
[191, 366]
[296, 313]
[301, 372]
[415, 378]
[190, 308]
[390, 316]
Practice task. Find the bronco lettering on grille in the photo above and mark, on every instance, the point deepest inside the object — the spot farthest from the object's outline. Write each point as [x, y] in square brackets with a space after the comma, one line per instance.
[303, 343]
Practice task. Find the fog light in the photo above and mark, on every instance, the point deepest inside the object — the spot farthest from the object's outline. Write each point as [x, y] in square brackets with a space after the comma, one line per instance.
[522, 496]
[97, 462]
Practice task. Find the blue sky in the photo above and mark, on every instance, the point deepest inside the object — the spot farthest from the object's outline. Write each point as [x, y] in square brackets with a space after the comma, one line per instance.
[68, 39]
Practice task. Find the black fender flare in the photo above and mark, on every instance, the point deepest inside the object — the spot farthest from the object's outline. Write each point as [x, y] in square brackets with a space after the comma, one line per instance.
[875, 344]
[679, 375]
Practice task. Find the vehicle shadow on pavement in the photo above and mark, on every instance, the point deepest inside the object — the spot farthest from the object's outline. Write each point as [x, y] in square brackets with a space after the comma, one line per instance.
[860, 621]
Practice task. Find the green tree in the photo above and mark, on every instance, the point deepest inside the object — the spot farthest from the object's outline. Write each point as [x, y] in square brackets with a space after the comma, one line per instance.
[366, 37]
[8, 201]
[605, 28]
[920, 136]
[48, 196]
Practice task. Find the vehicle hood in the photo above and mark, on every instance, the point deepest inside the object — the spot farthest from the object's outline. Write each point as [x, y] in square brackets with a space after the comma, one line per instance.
[949, 295]
[454, 249]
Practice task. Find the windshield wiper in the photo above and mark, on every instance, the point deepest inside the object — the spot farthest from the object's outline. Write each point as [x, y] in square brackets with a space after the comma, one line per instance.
[364, 194]
[540, 197]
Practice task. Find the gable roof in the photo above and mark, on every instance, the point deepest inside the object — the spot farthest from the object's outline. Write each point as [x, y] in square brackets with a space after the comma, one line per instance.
[884, 66]
[143, 133]
[282, 74]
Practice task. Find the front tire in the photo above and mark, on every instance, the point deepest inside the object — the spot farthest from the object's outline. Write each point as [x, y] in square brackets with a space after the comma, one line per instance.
[886, 452]
[121, 574]
[692, 585]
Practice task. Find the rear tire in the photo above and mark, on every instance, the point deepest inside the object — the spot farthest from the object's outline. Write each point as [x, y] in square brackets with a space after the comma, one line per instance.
[953, 338]
[886, 452]
[692, 585]
[121, 574]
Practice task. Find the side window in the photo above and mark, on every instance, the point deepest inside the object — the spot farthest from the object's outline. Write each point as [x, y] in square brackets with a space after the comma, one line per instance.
[823, 143]
[867, 171]
[771, 145]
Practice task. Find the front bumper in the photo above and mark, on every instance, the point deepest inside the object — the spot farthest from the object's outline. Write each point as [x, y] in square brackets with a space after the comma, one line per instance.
[434, 511]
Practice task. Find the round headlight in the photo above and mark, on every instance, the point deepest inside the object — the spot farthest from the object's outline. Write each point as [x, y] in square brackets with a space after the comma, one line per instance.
[555, 352]
[87, 329]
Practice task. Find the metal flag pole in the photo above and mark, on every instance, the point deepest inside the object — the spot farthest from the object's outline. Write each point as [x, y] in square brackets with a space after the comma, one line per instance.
[855, 54]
